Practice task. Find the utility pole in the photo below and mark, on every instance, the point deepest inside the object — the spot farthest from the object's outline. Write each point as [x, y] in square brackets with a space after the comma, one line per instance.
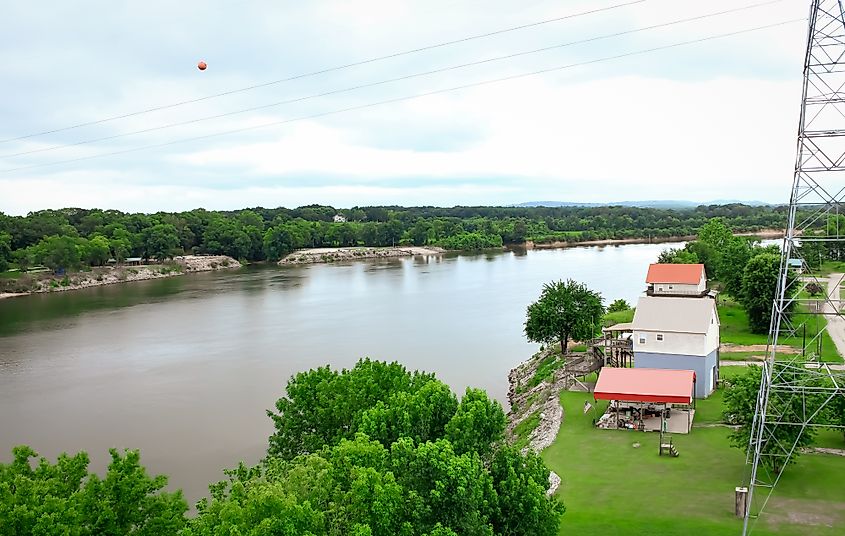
[818, 190]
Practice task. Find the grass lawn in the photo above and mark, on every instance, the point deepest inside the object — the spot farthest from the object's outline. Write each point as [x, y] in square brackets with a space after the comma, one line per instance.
[740, 356]
[830, 267]
[734, 330]
[734, 324]
[611, 488]
[618, 317]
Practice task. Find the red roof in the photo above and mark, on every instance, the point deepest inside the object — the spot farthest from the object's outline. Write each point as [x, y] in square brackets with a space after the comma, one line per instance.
[645, 385]
[687, 274]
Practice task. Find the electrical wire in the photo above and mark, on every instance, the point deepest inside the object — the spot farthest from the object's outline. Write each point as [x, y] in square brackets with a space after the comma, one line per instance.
[387, 81]
[328, 70]
[409, 97]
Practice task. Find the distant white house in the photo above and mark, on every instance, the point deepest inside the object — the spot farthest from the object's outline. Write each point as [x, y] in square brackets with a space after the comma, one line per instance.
[339, 218]
[676, 280]
[678, 333]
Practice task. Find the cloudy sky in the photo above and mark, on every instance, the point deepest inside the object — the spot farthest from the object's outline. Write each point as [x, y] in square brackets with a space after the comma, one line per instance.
[711, 120]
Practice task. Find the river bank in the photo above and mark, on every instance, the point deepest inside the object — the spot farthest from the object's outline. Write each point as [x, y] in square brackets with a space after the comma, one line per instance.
[763, 233]
[109, 275]
[326, 255]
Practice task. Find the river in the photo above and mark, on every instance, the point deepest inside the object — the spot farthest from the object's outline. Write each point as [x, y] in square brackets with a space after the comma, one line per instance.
[183, 368]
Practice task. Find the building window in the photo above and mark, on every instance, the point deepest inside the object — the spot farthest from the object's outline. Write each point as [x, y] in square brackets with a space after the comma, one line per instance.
[659, 336]
[642, 339]
[671, 287]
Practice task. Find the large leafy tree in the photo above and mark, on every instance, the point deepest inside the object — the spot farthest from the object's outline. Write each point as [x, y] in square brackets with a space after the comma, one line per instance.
[759, 285]
[160, 241]
[64, 498]
[739, 405]
[5, 250]
[564, 310]
[477, 424]
[362, 487]
[58, 252]
[323, 406]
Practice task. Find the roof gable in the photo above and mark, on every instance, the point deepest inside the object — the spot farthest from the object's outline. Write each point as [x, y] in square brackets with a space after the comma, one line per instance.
[685, 274]
[683, 315]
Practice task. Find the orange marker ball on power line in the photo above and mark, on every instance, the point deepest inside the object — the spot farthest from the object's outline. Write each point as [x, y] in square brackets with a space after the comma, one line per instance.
[201, 65]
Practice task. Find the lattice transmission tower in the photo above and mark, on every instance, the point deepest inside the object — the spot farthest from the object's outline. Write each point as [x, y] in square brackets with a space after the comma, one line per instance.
[799, 392]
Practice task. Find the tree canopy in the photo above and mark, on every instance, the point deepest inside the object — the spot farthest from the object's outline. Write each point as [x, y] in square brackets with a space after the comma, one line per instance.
[65, 498]
[375, 450]
[270, 233]
[564, 310]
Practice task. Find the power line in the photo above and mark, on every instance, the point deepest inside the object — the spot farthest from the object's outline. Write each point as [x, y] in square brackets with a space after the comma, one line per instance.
[409, 97]
[388, 81]
[328, 70]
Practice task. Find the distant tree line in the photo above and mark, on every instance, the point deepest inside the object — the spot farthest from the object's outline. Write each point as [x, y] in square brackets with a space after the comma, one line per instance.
[73, 237]
[371, 451]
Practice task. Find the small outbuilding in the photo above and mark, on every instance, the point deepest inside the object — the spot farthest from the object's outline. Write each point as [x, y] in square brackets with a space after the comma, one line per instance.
[646, 399]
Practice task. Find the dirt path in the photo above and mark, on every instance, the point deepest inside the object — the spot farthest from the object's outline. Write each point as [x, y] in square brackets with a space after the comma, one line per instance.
[835, 322]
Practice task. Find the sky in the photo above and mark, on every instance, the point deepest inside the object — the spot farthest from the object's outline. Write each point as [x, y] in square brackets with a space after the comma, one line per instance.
[705, 121]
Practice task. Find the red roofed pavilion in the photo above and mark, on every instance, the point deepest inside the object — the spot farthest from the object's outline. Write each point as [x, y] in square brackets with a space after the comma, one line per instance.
[646, 385]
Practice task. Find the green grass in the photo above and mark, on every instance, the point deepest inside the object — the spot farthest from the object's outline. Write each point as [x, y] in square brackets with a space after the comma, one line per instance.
[546, 369]
[523, 430]
[740, 356]
[735, 330]
[618, 317]
[830, 267]
[612, 489]
[734, 324]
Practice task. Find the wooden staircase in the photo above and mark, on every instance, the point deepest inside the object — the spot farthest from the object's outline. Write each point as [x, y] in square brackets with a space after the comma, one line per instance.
[668, 448]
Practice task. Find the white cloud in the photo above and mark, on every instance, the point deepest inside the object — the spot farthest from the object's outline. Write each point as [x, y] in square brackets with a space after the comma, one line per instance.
[713, 120]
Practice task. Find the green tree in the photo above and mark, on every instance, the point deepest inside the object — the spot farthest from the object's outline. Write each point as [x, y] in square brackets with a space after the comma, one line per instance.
[58, 253]
[64, 498]
[477, 424]
[618, 306]
[225, 237]
[421, 416]
[715, 233]
[520, 482]
[323, 406]
[96, 251]
[739, 406]
[564, 311]
[735, 254]
[5, 251]
[759, 285]
[677, 256]
[160, 241]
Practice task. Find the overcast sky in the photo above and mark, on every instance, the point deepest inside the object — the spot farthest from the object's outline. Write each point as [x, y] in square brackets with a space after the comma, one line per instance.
[712, 120]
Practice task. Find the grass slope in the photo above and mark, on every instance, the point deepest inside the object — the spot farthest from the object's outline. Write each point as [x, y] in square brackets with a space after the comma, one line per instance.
[611, 488]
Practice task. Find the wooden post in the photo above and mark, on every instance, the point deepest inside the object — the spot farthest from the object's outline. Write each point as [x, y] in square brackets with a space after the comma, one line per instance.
[741, 501]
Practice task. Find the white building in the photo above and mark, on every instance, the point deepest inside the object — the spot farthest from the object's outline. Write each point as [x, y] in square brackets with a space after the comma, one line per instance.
[339, 218]
[676, 280]
[678, 333]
